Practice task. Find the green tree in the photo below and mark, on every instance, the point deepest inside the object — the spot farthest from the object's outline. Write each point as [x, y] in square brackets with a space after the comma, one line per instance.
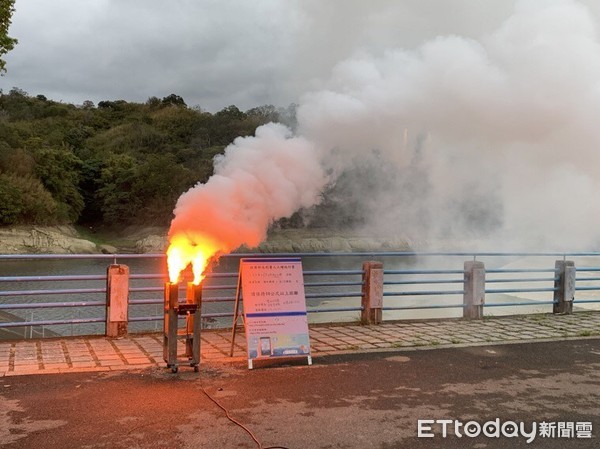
[59, 171]
[24, 200]
[159, 181]
[17, 161]
[89, 185]
[113, 164]
[229, 123]
[118, 203]
[11, 203]
[179, 124]
[7, 43]
[153, 102]
[264, 114]
[173, 100]
[230, 112]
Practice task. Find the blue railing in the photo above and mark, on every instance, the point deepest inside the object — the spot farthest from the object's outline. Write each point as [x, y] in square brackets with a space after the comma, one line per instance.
[47, 295]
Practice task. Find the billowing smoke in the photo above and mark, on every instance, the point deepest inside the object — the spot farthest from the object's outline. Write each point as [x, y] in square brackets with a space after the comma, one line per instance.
[258, 180]
[492, 139]
[482, 139]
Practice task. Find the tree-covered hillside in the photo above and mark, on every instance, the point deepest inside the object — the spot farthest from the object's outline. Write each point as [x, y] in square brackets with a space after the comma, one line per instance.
[115, 163]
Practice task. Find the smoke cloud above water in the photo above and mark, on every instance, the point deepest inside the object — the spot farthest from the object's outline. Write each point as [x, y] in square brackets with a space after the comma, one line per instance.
[491, 139]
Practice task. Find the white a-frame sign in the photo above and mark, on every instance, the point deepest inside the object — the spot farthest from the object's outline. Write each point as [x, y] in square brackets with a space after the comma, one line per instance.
[274, 306]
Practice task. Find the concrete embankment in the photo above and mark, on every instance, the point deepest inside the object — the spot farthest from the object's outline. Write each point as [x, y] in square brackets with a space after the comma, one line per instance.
[44, 239]
[67, 240]
[317, 240]
[297, 242]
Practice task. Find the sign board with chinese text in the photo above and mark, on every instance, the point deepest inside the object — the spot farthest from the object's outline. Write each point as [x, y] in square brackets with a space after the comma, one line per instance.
[274, 308]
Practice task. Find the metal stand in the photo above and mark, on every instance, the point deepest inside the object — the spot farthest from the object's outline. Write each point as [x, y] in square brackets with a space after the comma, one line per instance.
[191, 333]
[236, 312]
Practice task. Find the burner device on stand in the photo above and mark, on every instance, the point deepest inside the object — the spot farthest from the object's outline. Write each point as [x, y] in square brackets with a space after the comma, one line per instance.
[191, 333]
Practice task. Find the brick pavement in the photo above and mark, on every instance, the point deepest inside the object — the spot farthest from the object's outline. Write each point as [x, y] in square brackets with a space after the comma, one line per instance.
[77, 354]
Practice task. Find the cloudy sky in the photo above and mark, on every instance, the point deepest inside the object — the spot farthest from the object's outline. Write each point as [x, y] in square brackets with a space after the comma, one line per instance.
[215, 53]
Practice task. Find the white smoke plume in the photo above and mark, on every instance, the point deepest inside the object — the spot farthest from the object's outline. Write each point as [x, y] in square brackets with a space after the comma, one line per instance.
[492, 137]
[258, 180]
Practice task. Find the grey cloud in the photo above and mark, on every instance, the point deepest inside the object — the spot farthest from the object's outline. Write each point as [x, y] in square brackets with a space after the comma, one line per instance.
[217, 53]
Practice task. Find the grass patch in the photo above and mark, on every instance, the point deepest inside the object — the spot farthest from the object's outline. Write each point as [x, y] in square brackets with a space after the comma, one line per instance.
[94, 237]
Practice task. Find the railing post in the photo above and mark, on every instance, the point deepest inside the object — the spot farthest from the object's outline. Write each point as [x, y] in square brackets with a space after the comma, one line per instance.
[372, 293]
[564, 284]
[474, 292]
[117, 300]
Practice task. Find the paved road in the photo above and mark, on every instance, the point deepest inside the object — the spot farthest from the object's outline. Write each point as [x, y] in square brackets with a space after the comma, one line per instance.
[360, 400]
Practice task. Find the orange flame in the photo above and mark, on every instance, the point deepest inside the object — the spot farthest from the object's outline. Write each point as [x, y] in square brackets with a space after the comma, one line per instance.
[184, 250]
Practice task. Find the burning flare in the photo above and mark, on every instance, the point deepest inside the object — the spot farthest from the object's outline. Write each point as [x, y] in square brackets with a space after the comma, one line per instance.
[187, 249]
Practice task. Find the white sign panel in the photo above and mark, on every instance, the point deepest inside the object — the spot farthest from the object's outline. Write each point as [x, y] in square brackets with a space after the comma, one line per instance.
[274, 308]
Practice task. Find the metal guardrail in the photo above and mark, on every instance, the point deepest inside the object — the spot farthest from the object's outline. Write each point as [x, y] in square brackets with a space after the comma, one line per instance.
[328, 291]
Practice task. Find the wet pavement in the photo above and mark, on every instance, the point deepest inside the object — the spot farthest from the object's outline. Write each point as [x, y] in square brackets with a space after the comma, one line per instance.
[543, 374]
[355, 400]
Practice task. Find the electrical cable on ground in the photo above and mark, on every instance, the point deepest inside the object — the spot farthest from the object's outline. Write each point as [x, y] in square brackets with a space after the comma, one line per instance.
[233, 420]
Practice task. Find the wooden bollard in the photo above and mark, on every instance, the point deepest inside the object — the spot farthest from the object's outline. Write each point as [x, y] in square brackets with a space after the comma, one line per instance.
[372, 293]
[474, 290]
[117, 300]
[564, 284]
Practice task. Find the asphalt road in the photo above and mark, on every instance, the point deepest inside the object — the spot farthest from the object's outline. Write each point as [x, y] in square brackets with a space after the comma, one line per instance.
[369, 400]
